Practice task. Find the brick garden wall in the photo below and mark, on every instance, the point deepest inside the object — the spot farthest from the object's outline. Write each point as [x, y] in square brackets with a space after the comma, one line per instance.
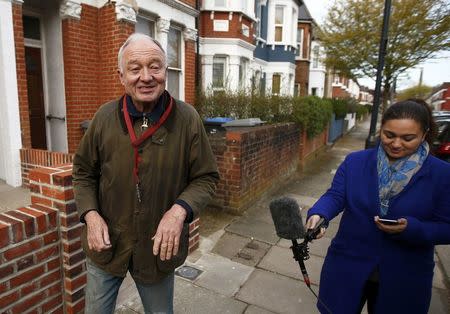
[311, 147]
[36, 158]
[42, 263]
[252, 160]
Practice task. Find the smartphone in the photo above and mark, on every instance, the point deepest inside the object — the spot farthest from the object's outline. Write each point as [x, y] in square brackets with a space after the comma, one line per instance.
[388, 221]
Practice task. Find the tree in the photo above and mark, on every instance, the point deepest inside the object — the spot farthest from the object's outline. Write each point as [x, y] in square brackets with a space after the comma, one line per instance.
[418, 30]
[418, 91]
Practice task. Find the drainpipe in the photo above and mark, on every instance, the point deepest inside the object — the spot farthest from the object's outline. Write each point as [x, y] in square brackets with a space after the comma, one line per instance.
[198, 82]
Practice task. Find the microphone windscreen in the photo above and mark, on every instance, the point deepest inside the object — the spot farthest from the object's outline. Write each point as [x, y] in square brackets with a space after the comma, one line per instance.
[287, 219]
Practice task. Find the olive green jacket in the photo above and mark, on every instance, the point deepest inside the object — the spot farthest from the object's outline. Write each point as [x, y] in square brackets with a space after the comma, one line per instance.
[176, 164]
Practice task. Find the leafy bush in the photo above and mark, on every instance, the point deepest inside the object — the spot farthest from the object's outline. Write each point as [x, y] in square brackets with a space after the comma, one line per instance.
[339, 107]
[361, 110]
[312, 113]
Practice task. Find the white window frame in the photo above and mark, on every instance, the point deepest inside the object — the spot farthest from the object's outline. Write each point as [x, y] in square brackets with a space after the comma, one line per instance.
[299, 53]
[180, 70]
[316, 57]
[275, 24]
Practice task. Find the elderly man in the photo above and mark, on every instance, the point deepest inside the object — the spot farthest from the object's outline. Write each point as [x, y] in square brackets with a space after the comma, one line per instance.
[143, 169]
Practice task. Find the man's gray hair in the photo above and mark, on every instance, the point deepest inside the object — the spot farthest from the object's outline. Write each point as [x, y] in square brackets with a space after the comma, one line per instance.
[135, 37]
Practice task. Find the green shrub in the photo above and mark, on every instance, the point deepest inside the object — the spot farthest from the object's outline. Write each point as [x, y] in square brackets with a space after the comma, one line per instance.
[311, 113]
[361, 110]
[339, 107]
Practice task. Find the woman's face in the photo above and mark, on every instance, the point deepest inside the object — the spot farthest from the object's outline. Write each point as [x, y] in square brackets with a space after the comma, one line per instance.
[401, 137]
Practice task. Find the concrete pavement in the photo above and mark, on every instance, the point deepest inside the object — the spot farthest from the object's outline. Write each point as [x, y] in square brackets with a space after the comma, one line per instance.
[245, 268]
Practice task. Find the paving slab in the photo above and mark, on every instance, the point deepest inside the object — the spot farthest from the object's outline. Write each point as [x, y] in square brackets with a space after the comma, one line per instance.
[303, 200]
[280, 260]
[438, 278]
[253, 309]
[241, 249]
[443, 252]
[255, 229]
[439, 302]
[191, 299]
[221, 275]
[277, 293]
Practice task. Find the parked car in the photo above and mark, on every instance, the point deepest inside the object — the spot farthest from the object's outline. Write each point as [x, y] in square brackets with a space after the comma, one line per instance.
[439, 115]
[441, 146]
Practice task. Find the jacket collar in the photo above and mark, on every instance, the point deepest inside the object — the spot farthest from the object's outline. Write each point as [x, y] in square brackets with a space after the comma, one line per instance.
[160, 107]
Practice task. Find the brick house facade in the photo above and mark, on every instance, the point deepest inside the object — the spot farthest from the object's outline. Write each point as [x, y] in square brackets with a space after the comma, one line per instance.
[61, 61]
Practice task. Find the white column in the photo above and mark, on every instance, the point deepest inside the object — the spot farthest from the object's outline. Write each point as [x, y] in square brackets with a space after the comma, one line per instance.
[162, 34]
[10, 140]
[207, 73]
[232, 79]
[126, 11]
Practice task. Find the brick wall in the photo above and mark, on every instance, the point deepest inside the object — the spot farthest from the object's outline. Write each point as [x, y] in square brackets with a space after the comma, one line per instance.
[339, 92]
[189, 2]
[252, 160]
[42, 263]
[189, 64]
[37, 158]
[90, 47]
[111, 35]
[311, 147]
[21, 75]
[235, 26]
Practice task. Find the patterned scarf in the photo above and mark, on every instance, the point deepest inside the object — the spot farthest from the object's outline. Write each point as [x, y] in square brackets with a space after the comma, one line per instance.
[392, 178]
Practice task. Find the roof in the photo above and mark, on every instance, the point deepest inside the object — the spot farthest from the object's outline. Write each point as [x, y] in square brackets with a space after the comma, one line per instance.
[303, 13]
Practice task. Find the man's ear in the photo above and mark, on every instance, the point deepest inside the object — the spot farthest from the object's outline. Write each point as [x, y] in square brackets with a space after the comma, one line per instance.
[120, 76]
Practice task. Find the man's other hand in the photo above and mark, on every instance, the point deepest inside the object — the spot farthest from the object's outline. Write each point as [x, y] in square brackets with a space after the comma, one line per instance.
[97, 232]
[167, 237]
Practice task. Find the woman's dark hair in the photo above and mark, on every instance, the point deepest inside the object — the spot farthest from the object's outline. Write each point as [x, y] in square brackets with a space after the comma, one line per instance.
[415, 109]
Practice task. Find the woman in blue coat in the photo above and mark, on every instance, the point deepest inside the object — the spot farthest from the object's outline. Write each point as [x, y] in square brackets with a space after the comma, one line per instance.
[388, 264]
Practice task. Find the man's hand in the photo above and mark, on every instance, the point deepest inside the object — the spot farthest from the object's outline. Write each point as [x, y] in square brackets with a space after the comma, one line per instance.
[311, 224]
[392, 229]
[97, 232]
[167, 237]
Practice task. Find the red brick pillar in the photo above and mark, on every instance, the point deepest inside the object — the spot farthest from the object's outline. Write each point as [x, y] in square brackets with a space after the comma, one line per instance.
[190, 37]
[21, 75]
[51, 189]
[111, 35]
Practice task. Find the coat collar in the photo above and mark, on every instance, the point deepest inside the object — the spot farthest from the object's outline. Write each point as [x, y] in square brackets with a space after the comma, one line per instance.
[164, 129]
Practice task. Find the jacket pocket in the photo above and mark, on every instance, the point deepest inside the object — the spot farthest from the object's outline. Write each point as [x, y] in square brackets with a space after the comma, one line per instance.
[169, 266]
[103, 257]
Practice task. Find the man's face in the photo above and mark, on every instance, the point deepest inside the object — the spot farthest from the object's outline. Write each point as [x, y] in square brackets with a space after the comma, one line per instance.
[143, 72]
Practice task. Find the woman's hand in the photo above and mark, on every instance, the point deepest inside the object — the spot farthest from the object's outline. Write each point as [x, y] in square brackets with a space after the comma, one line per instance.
[391, 229]
[311, 224]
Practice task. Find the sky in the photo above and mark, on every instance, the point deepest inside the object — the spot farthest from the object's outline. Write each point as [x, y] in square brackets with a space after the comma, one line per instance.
[435, 71]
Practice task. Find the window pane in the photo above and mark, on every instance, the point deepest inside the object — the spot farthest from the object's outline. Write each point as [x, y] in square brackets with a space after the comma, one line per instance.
[145, 26]
[218, 72]
[31, 27]
[173, 48]
[276, 82]
[279, 10]
[299, 35]
[173, 83]
[278, 33]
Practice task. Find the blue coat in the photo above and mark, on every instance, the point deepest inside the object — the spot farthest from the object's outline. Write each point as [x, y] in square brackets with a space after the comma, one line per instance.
[405, 261]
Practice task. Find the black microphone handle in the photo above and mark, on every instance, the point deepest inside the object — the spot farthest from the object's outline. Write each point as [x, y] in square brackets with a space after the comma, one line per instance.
[299, 258]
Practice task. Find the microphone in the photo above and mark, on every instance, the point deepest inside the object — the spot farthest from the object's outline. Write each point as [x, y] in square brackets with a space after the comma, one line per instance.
[289, 225]
[287, 219]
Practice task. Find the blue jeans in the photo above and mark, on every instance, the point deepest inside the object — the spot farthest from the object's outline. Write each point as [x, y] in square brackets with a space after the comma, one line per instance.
[102, 290]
